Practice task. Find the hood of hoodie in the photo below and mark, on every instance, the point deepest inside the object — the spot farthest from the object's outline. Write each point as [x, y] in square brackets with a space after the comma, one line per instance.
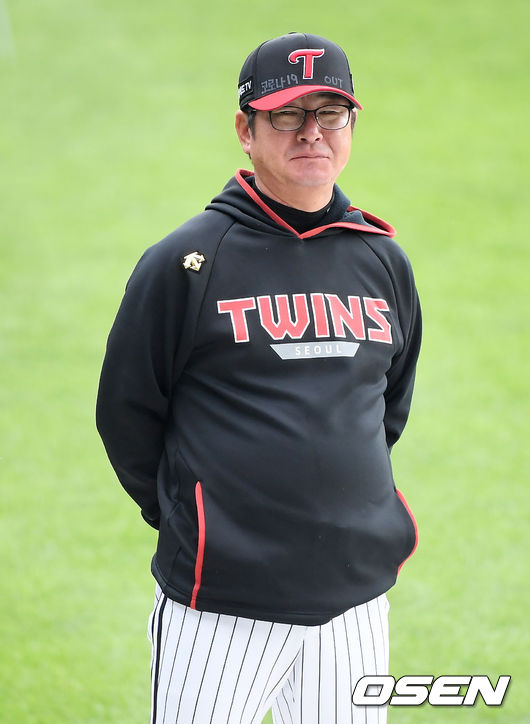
[239, 200]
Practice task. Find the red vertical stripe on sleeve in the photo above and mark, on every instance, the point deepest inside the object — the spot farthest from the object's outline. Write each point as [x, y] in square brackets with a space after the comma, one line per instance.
[413, 519]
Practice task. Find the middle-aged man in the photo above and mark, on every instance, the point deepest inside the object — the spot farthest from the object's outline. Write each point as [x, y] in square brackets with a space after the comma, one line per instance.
[258, 373]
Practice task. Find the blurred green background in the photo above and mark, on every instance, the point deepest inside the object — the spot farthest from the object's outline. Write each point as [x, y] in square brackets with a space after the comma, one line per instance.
[116, 125]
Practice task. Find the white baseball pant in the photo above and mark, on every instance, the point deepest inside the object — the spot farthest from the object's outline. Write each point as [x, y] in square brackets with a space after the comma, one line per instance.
[210, 668]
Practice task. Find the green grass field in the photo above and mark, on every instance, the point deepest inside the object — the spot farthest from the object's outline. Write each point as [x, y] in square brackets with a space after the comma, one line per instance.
[116, 126]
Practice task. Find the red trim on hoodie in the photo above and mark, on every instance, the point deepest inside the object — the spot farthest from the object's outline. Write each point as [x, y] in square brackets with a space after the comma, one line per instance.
[413, 519]
[257, 198]
[379, 226]
[200, 544]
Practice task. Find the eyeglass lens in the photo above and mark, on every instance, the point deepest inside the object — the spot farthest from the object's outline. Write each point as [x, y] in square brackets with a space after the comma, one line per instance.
[291, 118]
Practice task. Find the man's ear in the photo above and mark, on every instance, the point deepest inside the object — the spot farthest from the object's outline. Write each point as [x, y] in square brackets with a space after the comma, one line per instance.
[243, 131]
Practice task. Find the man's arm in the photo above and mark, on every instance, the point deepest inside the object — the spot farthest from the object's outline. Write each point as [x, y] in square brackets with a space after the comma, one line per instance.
[401, 375]
[137, 376]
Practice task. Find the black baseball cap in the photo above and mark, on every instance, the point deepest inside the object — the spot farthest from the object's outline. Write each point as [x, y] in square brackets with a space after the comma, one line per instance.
[290, 66]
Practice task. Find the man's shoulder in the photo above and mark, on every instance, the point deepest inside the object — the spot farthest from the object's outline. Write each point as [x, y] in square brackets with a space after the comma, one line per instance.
[184, 249]
[203, 231]
[391, 255]
[385, 246]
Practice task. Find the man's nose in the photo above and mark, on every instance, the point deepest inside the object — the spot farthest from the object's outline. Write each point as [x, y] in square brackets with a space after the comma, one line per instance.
[310, 131]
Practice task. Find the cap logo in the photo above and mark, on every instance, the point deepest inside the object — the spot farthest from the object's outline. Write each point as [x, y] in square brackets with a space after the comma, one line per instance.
[308, 56]
[245, 87]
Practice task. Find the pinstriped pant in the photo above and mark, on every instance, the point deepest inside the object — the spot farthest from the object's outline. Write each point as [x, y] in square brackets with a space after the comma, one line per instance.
[219, 669]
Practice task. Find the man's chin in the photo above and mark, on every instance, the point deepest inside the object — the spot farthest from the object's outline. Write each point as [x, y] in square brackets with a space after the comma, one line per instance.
[310, 181]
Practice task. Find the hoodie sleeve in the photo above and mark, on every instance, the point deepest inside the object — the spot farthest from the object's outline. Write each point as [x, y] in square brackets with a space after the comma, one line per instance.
[401, 375]
[137, 375]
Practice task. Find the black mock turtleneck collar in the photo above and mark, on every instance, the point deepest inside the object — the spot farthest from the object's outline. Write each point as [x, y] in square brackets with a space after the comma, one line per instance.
[299, 220]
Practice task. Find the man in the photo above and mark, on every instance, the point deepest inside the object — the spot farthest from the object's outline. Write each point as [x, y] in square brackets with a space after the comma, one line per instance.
[259, 370]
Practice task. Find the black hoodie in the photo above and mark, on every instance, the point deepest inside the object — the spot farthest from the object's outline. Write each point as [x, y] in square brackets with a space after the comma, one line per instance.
[254, 383]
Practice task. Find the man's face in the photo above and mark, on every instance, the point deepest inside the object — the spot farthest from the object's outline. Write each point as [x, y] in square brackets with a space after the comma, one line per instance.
[309, 159]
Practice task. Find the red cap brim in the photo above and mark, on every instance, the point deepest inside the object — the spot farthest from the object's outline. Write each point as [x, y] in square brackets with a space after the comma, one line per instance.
[283, 97]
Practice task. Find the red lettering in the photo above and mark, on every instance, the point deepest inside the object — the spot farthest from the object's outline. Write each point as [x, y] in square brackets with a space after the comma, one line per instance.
[285, 324]
[309, 56]
[237, 308]
[289, 316]
[341, 315]
[320, 315]
[374, 307]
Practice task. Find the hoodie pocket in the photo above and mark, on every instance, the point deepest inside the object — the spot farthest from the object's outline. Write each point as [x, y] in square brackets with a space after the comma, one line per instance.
[181, 538]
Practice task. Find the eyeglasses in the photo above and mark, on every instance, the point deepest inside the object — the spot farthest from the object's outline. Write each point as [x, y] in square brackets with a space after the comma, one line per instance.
[291, 118]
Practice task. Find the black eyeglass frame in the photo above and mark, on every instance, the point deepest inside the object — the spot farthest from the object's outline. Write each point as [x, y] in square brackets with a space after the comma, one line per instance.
[314, 111]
